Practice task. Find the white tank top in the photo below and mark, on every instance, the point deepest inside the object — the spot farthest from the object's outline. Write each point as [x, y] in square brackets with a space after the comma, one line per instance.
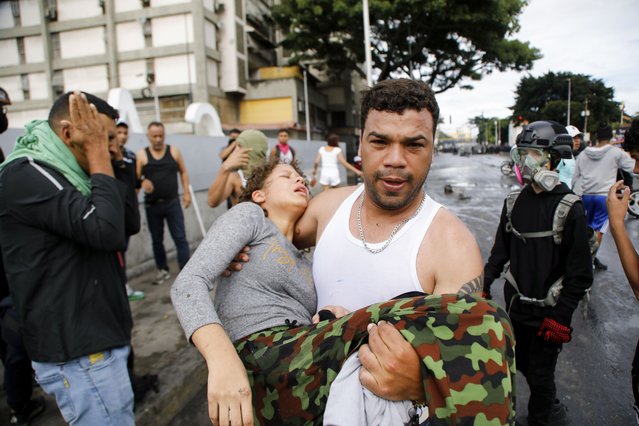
[346, 274]
[329, 158]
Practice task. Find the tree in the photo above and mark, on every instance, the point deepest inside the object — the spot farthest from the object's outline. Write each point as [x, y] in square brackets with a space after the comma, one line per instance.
[546, 98]
[440, 42]
[486, 129]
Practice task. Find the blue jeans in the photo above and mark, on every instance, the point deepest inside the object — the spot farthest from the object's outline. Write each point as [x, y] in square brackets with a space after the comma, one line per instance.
[170, 211]
[91, 390]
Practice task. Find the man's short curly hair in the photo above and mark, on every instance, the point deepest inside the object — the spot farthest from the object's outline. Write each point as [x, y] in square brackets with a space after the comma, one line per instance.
[399, 95]
[631, 137]
[260, 173]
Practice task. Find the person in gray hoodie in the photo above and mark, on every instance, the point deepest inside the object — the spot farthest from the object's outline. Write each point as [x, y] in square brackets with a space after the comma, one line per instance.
[595, 172]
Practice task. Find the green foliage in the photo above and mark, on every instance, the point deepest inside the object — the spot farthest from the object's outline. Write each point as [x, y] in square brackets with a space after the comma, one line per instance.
[486, 129]
[546, 98]
[439, 41]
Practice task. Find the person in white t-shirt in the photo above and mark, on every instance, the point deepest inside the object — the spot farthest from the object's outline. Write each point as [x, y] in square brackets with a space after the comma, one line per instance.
[329, 156]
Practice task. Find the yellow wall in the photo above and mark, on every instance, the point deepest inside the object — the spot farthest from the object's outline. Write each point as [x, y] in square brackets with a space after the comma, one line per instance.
[270, 73]
[274, 110]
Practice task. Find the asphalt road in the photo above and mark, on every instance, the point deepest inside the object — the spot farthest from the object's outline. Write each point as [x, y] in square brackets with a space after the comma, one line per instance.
[593, 372]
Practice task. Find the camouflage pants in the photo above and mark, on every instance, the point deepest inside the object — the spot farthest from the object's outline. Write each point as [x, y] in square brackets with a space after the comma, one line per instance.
[465, 343]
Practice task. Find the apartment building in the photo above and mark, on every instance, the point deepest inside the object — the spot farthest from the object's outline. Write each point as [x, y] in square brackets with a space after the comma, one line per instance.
[223, 52]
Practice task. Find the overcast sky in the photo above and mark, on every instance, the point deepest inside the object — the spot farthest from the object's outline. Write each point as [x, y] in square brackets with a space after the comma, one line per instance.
[599, 38]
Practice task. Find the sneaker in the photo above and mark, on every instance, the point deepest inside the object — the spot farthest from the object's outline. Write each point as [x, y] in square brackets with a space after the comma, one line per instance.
[34, 408]
[559, 416]
[596, 264]
[161, 277]
[136, 295]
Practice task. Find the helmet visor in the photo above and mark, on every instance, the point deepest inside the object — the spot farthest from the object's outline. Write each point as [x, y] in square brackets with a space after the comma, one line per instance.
[532, 157]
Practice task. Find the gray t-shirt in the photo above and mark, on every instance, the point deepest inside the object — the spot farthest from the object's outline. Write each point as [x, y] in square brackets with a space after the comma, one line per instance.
[275, 286]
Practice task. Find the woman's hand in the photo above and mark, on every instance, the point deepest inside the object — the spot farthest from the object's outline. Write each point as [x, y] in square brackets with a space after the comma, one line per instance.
[229, 392]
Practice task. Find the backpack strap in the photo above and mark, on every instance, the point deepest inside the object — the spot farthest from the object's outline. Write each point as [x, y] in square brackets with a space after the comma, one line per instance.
[561, 213]
[551, 297]
[558, 222]
[510, 203]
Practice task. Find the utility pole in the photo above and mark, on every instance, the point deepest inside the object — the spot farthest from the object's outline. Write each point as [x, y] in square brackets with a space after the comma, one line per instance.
[585, 114]
[367, 45]
[306, 111]
[569, 89]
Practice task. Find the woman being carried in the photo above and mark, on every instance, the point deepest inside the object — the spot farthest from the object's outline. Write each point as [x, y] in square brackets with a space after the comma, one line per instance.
[269, 364]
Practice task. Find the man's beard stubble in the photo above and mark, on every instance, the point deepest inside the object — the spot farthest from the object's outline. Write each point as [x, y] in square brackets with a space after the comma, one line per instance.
[400, 203]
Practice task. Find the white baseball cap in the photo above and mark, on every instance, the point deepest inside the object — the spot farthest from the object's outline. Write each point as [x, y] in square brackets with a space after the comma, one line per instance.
[573, 131]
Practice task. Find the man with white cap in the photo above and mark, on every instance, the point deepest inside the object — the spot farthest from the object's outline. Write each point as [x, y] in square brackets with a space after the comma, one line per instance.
[566, 166]
[578, 144]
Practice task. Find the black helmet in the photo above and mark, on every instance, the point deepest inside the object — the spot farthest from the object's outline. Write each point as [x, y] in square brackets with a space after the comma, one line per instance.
[548, 135]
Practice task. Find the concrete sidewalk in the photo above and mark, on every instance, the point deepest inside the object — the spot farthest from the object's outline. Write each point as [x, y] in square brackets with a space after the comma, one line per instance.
[160, 348]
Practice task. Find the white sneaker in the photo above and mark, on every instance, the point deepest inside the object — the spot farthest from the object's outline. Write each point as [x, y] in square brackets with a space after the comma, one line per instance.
[161, 277]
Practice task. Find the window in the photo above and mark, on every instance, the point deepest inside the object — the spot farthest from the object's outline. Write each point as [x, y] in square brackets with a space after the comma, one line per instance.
[55, 45]
[21, 52]
[24, 79]
[15, 11]
[338, 119]
[57, 83]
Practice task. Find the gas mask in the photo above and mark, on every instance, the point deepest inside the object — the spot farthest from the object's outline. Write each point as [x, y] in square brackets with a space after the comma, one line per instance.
[532, 163]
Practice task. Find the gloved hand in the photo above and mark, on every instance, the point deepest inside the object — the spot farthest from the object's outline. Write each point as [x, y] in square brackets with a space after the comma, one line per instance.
[486, 294]
[552, 331]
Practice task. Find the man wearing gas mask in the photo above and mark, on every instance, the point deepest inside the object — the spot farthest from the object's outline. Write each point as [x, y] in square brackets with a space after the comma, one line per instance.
[542, 249]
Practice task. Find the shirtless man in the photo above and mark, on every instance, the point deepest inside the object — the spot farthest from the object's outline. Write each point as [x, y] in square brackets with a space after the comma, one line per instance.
[388, 237]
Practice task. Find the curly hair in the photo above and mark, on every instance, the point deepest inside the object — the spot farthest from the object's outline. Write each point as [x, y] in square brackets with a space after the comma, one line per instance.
[631, 137]
[399, 95]
[260, 174]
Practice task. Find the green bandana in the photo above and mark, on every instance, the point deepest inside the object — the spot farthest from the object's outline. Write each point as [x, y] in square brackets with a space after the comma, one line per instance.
[41, 143]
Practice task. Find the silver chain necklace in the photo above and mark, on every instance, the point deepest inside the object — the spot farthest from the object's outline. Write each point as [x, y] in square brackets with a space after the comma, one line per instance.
[393, 232]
